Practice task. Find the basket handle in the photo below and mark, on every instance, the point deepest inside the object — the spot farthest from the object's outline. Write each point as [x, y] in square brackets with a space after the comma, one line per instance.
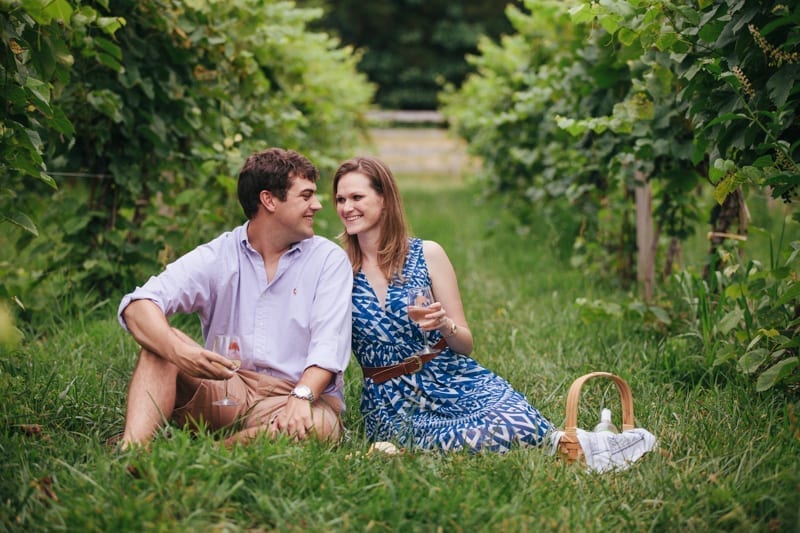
[573, 396]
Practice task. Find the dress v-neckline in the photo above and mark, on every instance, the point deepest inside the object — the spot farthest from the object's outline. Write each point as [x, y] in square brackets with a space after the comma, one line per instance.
[381, 304]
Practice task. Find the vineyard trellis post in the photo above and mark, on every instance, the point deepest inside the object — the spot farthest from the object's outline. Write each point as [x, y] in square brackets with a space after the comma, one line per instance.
[646, 239]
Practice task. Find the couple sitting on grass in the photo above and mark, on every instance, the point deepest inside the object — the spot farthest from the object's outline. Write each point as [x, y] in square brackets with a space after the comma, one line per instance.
[298, 302]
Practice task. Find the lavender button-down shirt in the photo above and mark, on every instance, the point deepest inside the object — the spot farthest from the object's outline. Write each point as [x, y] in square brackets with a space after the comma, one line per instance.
[300, 318]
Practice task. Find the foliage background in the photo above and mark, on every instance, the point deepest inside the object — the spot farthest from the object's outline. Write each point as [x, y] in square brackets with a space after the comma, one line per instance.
[412, 48]
[140, 114]
[587, 101]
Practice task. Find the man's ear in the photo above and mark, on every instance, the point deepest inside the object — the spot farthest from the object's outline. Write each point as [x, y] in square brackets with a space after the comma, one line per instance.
[267, 200]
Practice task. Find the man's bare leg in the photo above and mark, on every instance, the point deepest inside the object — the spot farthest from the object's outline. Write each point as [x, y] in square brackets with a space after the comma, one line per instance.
[156, 388]
[151, 398]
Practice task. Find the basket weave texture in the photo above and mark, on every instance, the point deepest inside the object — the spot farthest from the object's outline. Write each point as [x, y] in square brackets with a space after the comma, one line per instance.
[569, 448]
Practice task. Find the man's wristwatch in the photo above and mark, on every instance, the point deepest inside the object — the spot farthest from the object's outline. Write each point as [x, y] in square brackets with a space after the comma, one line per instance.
[303, 392]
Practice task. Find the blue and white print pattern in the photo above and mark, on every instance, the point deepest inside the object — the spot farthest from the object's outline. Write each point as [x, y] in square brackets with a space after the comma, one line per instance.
[453, 403]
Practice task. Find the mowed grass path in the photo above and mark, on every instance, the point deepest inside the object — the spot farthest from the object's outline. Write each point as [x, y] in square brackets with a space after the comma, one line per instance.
[730, 458]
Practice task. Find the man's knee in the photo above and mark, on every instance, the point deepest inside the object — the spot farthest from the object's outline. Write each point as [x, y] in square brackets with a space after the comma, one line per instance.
[327, 424]
[155, 363]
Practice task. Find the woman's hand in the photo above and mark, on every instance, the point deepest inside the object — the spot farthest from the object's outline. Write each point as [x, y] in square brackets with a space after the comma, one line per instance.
[435, 318]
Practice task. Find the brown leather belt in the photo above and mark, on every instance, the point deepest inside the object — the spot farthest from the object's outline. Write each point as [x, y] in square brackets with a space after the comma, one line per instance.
[410, 365]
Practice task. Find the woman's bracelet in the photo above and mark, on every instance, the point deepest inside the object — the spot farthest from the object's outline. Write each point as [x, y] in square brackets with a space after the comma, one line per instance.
[453, 329]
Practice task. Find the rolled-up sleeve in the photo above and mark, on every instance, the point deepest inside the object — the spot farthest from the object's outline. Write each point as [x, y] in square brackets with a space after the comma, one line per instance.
[183, 286]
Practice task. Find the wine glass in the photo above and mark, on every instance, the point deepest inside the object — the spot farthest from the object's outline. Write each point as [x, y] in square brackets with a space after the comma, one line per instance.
[419, 299]
[230, 347]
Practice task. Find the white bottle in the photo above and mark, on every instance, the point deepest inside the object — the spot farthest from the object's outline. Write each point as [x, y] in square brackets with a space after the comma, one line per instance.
[605, 422]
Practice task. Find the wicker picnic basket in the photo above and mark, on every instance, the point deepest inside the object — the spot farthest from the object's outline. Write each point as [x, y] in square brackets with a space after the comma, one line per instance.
[569, 448]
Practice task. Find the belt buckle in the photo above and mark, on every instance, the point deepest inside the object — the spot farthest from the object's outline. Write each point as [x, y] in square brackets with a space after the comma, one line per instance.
[417, 359]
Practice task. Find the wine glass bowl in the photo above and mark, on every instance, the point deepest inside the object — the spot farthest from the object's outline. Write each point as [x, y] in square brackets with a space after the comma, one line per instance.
[230, 347]
[418, 300]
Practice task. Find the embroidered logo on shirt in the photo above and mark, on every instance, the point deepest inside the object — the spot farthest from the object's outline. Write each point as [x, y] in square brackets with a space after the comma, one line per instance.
[294, 291]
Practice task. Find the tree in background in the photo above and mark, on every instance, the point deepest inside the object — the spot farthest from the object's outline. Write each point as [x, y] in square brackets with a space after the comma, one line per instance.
[39, 46]
[588, 98]
[413, 47]
[588, 105]
[142, 112]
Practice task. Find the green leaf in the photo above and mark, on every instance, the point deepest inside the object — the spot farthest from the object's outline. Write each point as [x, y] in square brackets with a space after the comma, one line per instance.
[45, 11]
[46, 179]
[737, 290]
[711, 31]
[724, 188]
[763, 162]
[197, 5]
[730, 321]
[617, 7]
[34, 140]
[776, 373]
[39, 90]
[106, 102]
[666, 41]
[752, 360]
[61, 123]
[109, 61]
[20, 219]
[792, 293]
[60, 10]
[726, 117]
[626, 36]
[110, 24]
[660, 314]
[769, 333]
[570, 125]
[110, 48]
[75, 224]
[187, 197]
[687, 11]
[780, 179]
[781, 84]
[610, 23]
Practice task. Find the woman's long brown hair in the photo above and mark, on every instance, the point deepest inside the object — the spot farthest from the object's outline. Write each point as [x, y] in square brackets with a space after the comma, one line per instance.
[393, 243]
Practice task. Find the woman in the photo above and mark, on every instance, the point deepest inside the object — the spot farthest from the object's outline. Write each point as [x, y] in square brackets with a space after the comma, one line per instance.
[446, 401]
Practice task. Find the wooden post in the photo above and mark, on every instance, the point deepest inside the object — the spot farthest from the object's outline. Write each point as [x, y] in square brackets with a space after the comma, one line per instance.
[733, 209]
[645, 236]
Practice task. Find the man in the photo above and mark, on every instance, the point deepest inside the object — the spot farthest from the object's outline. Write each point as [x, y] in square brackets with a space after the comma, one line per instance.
[284, 291]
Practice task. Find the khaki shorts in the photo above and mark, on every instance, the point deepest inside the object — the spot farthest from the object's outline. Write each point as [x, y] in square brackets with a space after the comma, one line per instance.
[260, 399]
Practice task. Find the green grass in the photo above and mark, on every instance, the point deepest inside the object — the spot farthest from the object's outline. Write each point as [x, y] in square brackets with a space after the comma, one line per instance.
[731, 456]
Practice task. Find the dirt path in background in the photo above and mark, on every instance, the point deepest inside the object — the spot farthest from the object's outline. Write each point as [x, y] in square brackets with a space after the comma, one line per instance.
[422, 151]
[430, 149]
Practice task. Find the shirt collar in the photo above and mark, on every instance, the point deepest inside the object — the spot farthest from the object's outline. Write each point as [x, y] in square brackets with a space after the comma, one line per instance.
[297, 247]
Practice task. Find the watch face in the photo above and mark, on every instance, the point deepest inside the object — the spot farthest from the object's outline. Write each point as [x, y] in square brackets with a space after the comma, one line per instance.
[304, 392]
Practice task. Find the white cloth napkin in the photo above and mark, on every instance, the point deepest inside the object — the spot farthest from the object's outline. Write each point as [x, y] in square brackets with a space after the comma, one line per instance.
[604, 451]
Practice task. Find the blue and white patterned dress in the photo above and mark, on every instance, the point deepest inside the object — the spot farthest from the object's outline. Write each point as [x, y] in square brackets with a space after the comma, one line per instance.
[453, 402]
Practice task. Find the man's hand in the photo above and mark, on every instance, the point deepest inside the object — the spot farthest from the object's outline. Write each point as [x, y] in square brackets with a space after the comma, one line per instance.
[194, 360]
[295, 420]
